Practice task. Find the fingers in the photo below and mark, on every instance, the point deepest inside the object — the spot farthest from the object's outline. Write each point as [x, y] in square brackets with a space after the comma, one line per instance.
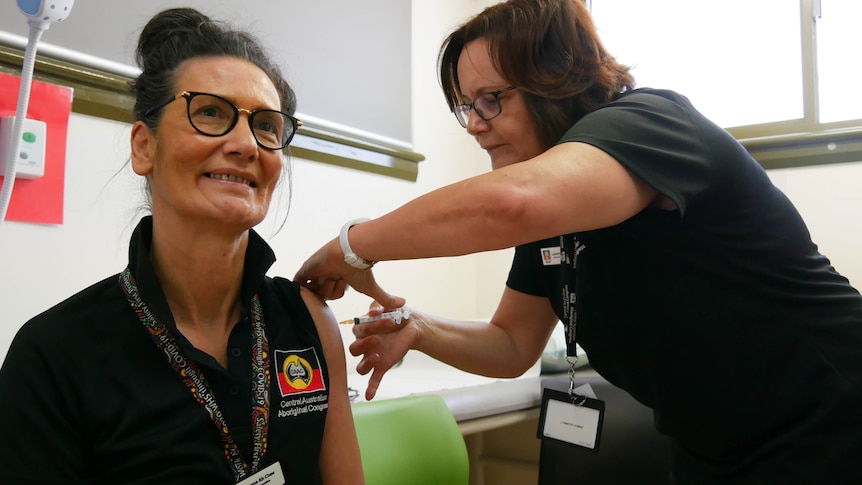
[324, 272]
[386, 300]
[334, 286]
[331, 289]
[367, 364]
[327, 275]
[379, 327]
[327, 289]
[375, 308]
[340, 288]
[364, 282]
[364, 345]
[376, 358]
[373, 385]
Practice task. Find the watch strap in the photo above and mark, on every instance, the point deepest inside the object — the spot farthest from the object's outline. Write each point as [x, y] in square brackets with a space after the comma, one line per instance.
[350, 257]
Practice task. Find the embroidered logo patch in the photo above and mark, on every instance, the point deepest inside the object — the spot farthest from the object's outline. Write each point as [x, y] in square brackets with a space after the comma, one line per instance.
[298, 371]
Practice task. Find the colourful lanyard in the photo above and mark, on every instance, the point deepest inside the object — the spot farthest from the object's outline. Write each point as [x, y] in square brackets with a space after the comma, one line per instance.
[197, 384]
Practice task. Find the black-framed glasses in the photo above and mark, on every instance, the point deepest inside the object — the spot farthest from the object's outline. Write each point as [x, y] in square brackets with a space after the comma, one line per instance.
[212, 115]
[487, 106]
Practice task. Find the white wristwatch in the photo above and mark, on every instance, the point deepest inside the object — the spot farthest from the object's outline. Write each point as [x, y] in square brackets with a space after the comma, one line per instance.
[349, 256]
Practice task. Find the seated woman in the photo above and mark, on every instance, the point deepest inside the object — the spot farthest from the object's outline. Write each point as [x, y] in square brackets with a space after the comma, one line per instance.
[191, 366]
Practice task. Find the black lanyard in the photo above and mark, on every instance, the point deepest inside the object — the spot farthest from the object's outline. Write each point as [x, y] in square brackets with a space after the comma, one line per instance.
[194, 379]
[570, 247]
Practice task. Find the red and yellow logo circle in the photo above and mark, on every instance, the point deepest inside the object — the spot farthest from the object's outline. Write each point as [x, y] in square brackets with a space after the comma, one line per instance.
[297, 371]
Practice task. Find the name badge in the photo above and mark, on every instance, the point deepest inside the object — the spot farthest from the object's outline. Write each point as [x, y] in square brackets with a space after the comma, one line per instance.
[551, 256]
[271, 475]
[574, 420]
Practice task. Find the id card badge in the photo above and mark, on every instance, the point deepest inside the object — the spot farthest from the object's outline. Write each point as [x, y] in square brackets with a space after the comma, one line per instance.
[271, 475]
[574, 420]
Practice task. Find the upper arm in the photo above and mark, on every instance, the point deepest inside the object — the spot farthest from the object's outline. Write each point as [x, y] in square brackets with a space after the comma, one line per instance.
[340, 462]
[576, 186]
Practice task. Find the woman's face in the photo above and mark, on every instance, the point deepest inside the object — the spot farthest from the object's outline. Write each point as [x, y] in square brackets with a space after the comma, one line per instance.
[196, 178]
[510, 137]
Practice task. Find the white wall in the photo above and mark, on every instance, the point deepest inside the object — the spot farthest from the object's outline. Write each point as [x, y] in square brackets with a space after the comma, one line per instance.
[41, 265]
[830, 200]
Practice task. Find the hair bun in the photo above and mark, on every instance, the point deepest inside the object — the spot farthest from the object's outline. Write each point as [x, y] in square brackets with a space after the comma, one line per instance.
[167, 28]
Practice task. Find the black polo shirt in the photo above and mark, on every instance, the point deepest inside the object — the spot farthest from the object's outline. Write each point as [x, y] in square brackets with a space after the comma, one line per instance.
[722, 315]
[87, 397]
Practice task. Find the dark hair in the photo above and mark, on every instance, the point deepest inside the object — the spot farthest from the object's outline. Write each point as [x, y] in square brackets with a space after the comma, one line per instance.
[176, 35]
[551, 51]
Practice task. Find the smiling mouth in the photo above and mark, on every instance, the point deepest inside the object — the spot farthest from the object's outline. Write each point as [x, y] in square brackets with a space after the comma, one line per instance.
[231, 178]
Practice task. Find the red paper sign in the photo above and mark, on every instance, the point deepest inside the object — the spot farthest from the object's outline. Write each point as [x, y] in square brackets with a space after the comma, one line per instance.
[40, 200]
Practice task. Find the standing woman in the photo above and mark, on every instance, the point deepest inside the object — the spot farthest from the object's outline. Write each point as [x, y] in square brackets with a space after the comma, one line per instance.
[191, 366]
[687, 277]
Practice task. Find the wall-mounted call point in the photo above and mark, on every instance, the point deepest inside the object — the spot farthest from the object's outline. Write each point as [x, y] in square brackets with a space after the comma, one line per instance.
[40, 14]
[31, 147]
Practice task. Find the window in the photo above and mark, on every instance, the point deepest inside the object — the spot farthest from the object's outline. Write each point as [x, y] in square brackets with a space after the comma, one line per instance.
[839, 61]
[778, 74]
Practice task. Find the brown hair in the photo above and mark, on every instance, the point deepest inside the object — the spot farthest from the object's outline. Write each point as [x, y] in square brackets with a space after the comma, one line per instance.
[551, 51]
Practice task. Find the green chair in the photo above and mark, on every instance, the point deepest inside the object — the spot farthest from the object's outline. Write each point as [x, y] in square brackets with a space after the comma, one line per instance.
[411, 440]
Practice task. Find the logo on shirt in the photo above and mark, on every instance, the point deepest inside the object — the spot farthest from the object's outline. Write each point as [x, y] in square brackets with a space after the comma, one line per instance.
[299, 371]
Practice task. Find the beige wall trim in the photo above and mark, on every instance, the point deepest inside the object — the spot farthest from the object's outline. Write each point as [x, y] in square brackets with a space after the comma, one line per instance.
[804, 149]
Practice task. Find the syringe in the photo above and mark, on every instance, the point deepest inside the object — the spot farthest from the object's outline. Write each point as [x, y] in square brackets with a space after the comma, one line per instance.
[396, 315]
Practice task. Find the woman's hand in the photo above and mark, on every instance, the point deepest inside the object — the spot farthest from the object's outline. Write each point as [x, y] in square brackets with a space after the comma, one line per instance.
[327, 275]
[382, 344]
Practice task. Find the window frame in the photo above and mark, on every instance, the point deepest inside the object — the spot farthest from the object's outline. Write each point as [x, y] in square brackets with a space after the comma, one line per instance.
[805, 141]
